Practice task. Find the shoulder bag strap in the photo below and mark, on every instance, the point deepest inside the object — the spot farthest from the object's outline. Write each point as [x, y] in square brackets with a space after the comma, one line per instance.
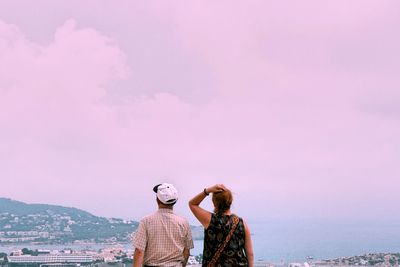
[223, 245]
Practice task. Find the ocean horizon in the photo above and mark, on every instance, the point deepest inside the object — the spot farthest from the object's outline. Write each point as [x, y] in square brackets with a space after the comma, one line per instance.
[296, 239]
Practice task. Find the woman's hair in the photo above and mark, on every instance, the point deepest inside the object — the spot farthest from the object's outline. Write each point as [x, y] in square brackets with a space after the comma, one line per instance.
[222, 201]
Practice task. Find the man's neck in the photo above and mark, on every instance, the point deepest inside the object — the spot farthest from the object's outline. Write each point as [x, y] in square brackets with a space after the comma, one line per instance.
[165, 207]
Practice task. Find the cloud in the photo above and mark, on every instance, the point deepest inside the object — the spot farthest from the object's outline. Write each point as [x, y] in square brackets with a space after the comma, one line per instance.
[288, 114]
[51, 100]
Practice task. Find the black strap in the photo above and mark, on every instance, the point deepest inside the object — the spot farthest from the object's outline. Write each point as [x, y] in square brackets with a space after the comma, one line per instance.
[223, 245]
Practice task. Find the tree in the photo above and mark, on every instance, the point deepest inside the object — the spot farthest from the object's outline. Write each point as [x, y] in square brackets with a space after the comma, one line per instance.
[3, 259]
[26, 251]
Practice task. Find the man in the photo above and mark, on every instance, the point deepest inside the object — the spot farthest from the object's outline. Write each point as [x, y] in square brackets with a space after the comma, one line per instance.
[163, 238]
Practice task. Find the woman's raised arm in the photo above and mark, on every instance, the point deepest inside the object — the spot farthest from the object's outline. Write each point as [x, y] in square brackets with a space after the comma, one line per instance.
[201, 214]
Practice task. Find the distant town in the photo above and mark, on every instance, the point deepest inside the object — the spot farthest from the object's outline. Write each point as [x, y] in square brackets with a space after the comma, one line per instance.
[68, 257]
[122, 257]
[50, 227]
[372, 259]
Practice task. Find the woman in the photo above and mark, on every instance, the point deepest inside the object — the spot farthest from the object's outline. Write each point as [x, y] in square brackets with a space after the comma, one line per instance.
[227, 240]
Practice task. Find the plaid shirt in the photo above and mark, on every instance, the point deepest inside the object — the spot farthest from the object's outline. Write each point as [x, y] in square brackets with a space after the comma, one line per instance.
[162, 236]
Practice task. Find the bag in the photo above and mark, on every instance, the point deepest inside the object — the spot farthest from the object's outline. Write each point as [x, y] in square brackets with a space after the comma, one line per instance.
[223, 245]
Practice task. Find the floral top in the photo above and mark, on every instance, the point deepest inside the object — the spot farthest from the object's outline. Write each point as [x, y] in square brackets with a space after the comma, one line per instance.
[215, 235]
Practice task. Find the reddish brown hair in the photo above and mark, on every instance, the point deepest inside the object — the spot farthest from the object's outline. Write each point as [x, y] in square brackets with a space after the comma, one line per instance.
[222, 201]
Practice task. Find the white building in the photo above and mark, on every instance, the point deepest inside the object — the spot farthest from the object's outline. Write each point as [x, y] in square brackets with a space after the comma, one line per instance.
[51, 258]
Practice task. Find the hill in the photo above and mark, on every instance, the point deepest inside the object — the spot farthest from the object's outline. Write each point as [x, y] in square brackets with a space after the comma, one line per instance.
[42, 223]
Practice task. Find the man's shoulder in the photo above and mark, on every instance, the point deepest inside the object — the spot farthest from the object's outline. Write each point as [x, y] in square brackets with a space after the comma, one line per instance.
[180, 219]
[148, 217]
[156, 216]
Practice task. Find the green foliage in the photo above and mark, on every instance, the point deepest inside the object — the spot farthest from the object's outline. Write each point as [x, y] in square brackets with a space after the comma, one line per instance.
[374, 262]
[127, 260]
[3, 259]
[26, 251]
[199, 258]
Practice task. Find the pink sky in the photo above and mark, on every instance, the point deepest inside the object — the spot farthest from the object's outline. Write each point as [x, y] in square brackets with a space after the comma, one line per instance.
[293, 105]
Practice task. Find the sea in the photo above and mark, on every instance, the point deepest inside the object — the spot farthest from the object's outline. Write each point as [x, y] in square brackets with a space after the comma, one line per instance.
[294, 240]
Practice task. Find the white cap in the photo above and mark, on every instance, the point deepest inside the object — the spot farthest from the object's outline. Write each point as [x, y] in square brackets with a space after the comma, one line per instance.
[166, 193]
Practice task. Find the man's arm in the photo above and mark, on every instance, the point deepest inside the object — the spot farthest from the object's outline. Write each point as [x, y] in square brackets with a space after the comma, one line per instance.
[186, 253]
[139, 241]
[138, 258]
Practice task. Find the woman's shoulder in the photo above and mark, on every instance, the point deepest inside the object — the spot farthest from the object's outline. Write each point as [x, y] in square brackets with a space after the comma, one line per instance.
[218, 217]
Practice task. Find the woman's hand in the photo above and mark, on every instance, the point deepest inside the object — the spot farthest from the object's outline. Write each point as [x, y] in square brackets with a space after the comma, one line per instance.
[216, 188]
[201, 214]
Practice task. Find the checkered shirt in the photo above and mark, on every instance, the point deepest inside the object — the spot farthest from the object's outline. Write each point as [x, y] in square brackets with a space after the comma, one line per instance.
[162, 236]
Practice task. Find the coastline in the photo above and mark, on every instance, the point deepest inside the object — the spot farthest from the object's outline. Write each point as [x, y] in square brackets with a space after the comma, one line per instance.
[376, 258]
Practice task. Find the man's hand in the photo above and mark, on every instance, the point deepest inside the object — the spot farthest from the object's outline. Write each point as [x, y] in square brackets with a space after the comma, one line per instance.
[138, 258]
[186, 253]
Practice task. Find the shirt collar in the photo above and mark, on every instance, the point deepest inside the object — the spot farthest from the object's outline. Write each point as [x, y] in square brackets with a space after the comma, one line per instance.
[163, 210]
